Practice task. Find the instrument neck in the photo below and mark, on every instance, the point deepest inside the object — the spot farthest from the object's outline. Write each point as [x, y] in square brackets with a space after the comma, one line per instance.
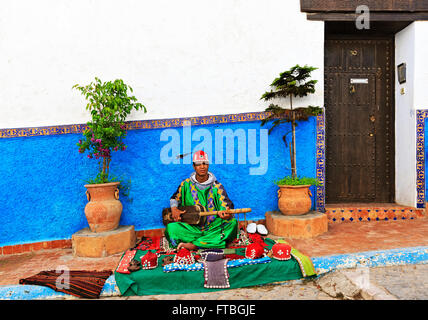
[209, 213]
[212, 213]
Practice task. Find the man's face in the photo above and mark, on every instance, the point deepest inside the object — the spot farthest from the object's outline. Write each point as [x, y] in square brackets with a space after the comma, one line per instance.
[201, 168]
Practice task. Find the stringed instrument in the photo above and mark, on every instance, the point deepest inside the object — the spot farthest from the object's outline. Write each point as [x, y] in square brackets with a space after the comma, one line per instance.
[195, 214]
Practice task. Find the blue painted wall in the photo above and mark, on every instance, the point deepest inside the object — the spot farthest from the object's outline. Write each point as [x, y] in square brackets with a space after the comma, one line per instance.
[42, 180]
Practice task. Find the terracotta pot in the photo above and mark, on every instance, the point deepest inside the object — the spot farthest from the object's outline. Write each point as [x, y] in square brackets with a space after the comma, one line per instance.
[294, 200]
[104, 209]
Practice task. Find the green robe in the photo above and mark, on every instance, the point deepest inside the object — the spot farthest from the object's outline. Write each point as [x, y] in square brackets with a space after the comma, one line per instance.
[216, 232]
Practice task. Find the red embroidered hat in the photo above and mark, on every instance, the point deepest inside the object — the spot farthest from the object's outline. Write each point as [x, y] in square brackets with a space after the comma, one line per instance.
[200, 156]
[149, 260]
[281, 251]
[254, 251]
[184, 256]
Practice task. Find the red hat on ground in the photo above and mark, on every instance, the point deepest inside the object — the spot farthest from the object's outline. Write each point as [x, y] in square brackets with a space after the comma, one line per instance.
[281, 251]
[254, 251]
[149, 260]
[184, 256]
[200, 156]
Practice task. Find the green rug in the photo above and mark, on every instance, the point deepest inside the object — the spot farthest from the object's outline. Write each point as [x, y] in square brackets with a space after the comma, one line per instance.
[155, 281]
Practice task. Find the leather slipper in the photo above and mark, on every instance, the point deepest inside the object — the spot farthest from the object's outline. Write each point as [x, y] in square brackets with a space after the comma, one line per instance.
[167, 260]
[134, 265]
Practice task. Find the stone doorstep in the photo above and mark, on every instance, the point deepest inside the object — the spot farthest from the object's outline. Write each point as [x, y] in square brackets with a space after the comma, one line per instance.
[338, 213]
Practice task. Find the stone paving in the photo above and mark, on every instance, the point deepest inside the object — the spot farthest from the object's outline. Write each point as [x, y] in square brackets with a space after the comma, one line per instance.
[408, 282]
[285, 291]
[293, 290]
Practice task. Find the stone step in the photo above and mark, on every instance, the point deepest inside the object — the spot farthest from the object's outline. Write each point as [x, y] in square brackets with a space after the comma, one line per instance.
[371, 212]
[86, 243]
[305, 226]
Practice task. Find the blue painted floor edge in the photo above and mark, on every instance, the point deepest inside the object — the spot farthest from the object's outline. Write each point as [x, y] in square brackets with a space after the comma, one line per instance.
[323, 264]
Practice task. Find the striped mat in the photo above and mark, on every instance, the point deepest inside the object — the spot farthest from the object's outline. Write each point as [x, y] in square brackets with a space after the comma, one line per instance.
[82, 284]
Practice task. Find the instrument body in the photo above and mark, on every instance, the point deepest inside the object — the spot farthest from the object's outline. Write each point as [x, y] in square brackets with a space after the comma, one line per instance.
[195, 214]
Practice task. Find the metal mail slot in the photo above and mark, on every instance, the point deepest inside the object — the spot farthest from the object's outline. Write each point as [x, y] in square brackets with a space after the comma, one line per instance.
[365, 81]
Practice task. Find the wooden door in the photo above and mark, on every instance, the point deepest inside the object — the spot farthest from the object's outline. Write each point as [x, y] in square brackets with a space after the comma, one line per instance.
[359, 121]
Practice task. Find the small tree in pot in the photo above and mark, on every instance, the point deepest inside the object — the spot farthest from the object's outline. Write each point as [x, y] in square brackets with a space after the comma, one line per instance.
[109, 105]
[294, 193]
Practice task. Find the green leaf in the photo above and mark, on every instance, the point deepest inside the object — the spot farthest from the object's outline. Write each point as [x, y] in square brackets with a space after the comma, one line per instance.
[299, 181]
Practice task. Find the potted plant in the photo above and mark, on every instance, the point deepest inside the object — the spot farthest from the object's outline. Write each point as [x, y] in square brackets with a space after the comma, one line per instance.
[109, 105]
[294, 193]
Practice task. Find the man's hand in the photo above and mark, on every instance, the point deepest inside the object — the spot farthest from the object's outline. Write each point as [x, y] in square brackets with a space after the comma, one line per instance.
[176, 213]
[226, 215]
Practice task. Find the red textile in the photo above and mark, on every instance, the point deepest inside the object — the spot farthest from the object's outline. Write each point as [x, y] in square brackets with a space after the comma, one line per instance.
[234, 256]
[149, 243]
[122, 267]
[257, 238]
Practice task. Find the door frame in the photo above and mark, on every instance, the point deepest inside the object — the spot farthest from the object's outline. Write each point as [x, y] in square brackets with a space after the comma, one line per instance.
[332, 31]
[386, 18]
[390, 90]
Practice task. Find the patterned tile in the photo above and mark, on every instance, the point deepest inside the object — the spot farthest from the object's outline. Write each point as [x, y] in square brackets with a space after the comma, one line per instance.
[136, 125]
[366, 214]
[346, 214]
[421, 115]
[320, 163]
[382, 214]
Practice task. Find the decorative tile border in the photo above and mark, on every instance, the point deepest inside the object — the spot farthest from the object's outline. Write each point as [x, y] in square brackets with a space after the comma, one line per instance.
[357, 214]
[421, 115]
[136, 125]
[41, 131]
[320, 163]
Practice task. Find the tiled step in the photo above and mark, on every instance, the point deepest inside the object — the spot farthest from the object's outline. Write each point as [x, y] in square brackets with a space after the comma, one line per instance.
[337, 213]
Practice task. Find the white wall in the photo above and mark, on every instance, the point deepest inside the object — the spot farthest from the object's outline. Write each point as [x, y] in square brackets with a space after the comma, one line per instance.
[411, 48]
[421, 72]
[405, 120]
[183, 58]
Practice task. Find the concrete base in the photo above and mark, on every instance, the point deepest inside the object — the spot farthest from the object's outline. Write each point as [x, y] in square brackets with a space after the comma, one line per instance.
[304, 226]
[89, 244]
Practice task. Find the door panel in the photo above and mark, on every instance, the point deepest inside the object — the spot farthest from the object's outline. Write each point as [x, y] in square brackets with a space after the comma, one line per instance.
[358, 121]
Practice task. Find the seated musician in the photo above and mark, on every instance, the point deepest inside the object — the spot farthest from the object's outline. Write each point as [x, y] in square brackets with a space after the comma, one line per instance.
[201, 188]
